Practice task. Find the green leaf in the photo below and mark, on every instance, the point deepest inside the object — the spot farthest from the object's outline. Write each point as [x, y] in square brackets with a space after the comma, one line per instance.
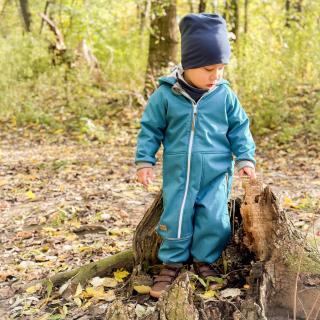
[215, 279]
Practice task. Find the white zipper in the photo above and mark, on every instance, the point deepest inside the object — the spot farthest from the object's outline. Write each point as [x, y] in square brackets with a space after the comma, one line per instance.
[194, 115]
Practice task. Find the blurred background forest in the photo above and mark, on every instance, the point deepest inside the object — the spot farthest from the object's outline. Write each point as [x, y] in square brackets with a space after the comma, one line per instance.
[79, 67]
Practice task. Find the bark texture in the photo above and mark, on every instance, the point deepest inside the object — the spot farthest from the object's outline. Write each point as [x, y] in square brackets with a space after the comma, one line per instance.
[25, 14]
[163, 41]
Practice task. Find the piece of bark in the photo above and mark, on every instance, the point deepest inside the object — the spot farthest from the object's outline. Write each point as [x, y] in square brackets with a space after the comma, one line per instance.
[288, 264]
[146, 241]
[177, 302]
[118, 311]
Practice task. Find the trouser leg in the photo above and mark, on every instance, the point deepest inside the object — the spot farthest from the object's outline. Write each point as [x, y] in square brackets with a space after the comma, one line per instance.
[178, 208]
[211, 221]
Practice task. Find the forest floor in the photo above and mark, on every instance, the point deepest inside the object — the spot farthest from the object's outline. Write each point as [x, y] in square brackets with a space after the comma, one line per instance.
[52, 189]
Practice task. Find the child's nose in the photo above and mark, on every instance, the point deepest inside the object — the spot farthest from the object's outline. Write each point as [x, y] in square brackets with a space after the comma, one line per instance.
[214, 76]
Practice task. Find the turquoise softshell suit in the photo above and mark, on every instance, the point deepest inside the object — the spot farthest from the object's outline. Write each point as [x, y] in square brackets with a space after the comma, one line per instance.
[199, 140]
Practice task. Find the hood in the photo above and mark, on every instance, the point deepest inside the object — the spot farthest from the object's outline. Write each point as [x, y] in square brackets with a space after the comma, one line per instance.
[172, 77]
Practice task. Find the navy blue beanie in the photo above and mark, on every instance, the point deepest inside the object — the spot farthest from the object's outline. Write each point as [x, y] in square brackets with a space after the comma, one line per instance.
[204, 40]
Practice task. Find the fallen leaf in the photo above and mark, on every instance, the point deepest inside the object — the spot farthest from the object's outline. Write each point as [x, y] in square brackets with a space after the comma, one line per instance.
[30, 195]
[142, 289]
[77, 301]
[119, 275]
[209, 294]
[96, 282]
[110, 282]
[34, 288]
[288, 203]
[99, 294]
[79, 290]
[24, 234]
[230, 293]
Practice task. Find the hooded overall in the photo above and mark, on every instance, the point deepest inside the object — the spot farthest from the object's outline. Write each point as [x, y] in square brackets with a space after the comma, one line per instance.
[199, 141]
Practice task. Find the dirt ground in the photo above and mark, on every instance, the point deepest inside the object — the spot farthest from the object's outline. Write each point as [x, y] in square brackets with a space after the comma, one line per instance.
[52, 190]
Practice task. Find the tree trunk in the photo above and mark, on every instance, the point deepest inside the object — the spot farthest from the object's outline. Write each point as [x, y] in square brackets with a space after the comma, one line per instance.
[232, 16]
[144, 17]
[25, 14]
[163, 43]
[246, 17]
[202, 6]
[293, 11]
[190, 2]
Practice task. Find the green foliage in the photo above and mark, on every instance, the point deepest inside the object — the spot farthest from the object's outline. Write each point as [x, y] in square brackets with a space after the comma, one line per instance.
[272, 62]
[268, 66]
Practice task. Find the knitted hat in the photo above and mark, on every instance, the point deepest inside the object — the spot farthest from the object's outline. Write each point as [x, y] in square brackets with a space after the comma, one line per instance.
[204, 40]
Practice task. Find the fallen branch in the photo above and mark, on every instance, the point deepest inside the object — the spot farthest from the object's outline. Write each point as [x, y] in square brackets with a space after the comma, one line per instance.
[59, 45]
[81, 275]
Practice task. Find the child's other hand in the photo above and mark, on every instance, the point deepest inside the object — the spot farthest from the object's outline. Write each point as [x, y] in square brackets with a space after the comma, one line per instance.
[145, 176]
[248, 171]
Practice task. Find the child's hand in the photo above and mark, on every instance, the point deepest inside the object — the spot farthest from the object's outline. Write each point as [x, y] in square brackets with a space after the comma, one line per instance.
[248, 171]
[145, 176]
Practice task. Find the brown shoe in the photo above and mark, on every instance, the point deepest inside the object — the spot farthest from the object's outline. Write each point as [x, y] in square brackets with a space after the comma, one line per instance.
[205, 270]
[164, 279]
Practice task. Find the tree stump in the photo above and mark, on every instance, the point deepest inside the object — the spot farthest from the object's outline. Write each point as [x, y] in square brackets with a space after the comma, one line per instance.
[280, 267]
[267, 256]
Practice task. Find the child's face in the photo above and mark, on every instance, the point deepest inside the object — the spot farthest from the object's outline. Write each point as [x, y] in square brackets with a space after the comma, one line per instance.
[204, 77]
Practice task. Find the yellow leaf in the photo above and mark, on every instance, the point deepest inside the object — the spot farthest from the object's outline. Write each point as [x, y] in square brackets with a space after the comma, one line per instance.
[30, 195]
[119, 275]
[34, 288]
[142, 289]
[246, 286]
[119, 231]
[193, 285]
[85, 248]
[98, 293]
[288, 203]
[209, 294]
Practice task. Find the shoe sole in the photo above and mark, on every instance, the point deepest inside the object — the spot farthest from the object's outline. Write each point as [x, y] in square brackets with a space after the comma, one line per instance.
[155, 294]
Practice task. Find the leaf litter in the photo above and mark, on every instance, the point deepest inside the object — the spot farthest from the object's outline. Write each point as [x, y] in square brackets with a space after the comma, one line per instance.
[51, 189]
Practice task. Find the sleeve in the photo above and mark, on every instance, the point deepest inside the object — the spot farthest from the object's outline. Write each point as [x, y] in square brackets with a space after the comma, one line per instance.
[153, 125]
[239, 135]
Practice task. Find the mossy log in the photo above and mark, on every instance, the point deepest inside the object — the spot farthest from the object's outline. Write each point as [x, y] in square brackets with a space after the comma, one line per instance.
[86, 272]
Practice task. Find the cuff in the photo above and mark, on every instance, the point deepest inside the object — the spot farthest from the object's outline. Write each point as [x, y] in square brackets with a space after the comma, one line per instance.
[244, 163]
[141, 165]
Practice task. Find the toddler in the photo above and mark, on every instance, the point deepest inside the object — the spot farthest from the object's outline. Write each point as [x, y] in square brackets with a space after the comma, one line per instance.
[200, 122]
